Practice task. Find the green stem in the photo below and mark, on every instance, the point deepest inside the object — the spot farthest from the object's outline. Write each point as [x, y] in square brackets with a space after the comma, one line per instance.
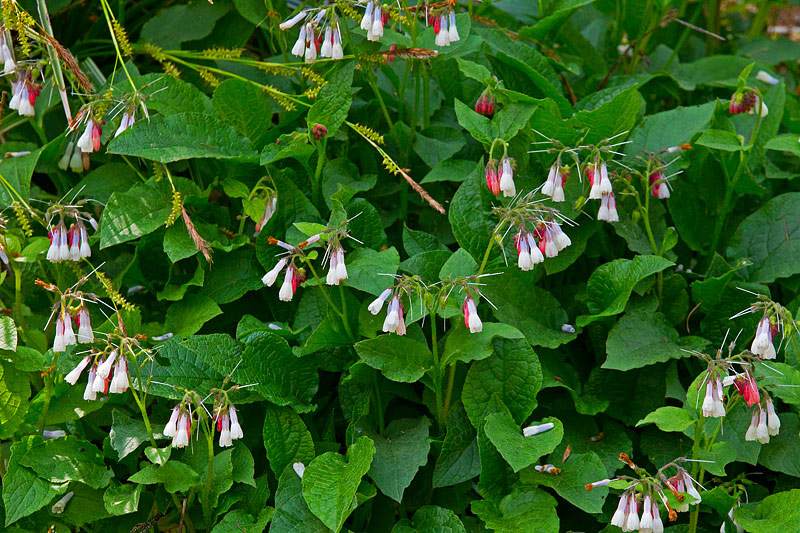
[698, 434]
[437, 380]
[344, 314]
[486, 254]
[209, 475]
[324, 292]
[316, 185]
[426, 89]
[108, 16]
[451, 375]
[48, 392]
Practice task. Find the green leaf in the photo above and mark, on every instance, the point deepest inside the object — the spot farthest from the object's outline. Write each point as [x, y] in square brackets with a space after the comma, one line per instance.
[669, 128]
[476, 124]
[774, 514]
[770, 238]
[642, 338]
[176, 476]
[126, 434]
[471, 213]
[782, 380]
[177, 24]
[461, 345]
[14, 392]
[611, 284]
[240, 521]
[122, 499]
[780, 454]
[473, 70]
[333, 102]
[187, 316]
[67, 459]
[330, 482]
[431, 519]
[364, 265]
[342, 175]
[518, 450]
[245, 107]
[525, 509]
[721, 140]
[720, 454]
[449, 170]
[182, 136]
[136, 212]
[615, 116]
[513, 375]
[400, 358]
[193, 363]
[8, 334]
[16, 173]
[291, 511]
[281, 377]
[512, 118]
[438, 143]
[532, 310]
[400, 451]
[24, 492]
[232, 276]
[785, 143]
[669, 419]
[458, 460]
[580, 470]
[417, 242]
[168, 95]
[286, 439]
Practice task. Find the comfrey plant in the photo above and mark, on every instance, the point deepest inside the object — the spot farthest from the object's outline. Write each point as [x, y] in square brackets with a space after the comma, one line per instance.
[358, 265]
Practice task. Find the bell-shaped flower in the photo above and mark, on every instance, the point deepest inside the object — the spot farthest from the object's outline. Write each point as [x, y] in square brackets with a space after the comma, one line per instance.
[88, 393]
[773, 422]
[471, 318]
[395, 322]
[75, 373]
[290, 284]
[270, 277]
[507, 177]
[171, 429]
[236, 428]
[377, 304]
[299, 48]
[452, 29]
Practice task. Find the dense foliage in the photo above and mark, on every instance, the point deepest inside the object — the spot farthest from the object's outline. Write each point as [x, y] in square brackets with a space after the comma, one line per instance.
[457, 266]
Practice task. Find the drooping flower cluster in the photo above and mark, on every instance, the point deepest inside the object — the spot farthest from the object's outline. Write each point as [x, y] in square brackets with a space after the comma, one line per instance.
[179, 426]
[762, 343]
[227, 422]
[713, 403]
[598, 180]
[293, 277]
[107, 374]
[554, 186]
[68, 245]
[65, 335]
[764, 423]
[444, 26]
[24, 94]
[500, 176]
[638, 508]
[319, 36]
[6, 53]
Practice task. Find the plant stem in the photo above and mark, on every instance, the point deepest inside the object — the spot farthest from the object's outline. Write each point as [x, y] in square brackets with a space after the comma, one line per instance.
[48, 392]
[316, 186]
[324, 292]
[344, 314]
[451, 375]
[378, 403]
[698, 434]
[437, 379]
[209, 475]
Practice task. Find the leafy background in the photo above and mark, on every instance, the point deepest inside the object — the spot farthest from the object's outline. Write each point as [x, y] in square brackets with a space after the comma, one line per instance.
[357, 407]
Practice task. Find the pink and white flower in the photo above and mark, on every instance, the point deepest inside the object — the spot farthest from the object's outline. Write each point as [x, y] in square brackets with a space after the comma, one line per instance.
[554, 186]
[270, 277]
[337, 271]
[236, 429]
[377, 304]
[773, 422]
[75, 373]
[762, 343]
[599, 181]
[608, 209]
[530, 431]
[471, 318]
[290, 283]
[713, 403]
[85, 333]
[507, 177]
[528, 252]
[395, 322]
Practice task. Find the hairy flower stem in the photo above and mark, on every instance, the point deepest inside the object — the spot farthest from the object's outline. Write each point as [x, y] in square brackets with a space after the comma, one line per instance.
[316, 184]
[328, 298]
[698, 434]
